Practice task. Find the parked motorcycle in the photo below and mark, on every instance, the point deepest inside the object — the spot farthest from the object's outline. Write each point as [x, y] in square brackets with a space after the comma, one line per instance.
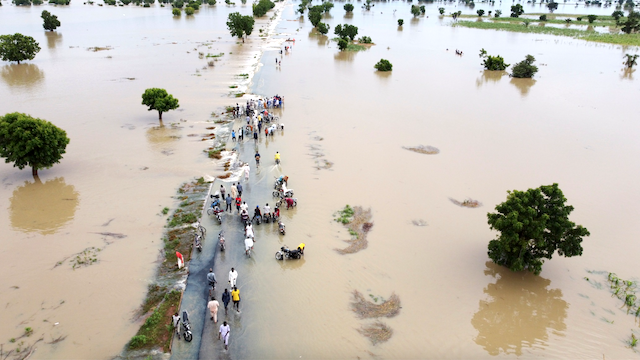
[221, 240]
[281, 228]
[285, 253]
[186, 326]
[198, 242]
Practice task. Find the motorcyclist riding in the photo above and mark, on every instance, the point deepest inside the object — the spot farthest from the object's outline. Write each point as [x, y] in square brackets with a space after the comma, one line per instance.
[267, 210]
[257, 156]
[277, 157]
[256, 212]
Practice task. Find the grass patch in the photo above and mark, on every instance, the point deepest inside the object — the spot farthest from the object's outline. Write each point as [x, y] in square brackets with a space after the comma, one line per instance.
[620, 39]
[233, 86]
[215, 154]
[366, 309]
[165, 211]
[358, 222]
[157, 330]
[215, 56]
[554, 20]
[155, 294]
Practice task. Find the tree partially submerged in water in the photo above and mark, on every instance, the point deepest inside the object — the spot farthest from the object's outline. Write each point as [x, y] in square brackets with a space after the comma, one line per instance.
[323, 28]
[159, 99]
[552, 5]
[261, 8]
[18, 47]
[400, 22]
[51, 21]
[383, 65]
[516, 10]
[492, 62]
[240, 25]
[631, 24]
[525, 68]
[348, 7]
[630, 60]
[27, 141]
[346, 31]
[533, 224]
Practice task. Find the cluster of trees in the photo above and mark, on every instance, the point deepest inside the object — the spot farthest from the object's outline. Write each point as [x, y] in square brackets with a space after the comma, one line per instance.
[383, 65]
[630, 24]
[51, 21]
[240, 25]
[523, 69]
[346, 33]
[418, 10]
[27, 141]
[533, 224]
[261, 8]
[18, 47]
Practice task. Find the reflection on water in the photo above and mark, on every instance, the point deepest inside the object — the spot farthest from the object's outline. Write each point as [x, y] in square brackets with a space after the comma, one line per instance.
[22, 75]
[627, 74]
[160, 136]
[42, 207]
[322, 39]
[520, 312]
[348, 15]
[489, 76]
[345, 55]
[53, 38]
[292, 264]
[523, 85]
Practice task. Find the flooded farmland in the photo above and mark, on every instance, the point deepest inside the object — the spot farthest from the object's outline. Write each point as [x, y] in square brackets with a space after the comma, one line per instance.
[573, 124]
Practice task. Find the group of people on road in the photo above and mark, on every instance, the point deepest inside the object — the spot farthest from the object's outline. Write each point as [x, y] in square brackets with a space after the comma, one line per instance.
[213, 305]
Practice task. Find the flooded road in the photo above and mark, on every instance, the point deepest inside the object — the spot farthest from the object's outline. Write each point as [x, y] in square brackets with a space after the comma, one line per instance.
[573, 124]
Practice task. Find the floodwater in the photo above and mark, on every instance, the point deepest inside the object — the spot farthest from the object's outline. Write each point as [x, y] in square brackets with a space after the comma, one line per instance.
[573, 124]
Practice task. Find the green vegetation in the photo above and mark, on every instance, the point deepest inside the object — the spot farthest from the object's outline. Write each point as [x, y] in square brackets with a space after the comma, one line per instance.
[441, 11]
[591, 18]
[23, 2]
[327, 6]
[346, 31]
[178, 4]
[315, 15]
[364, 40]
[345, 215]
[383, 65]
[261, 8]
[18, 47]
[630, 60]
[492, 62]
[50, 21]
[525, 68]
[176, 12]
[240, 25]
[400, 22]
[543, 17]
[533, 224]
[415, 10]
[498, 13]
[342, 44]
[189, 10]
[323, 28]
[516, 10]
[631, 24]
[348, 7]
[480, 12]
[165, 211]
[157, 330]
[552, 5]
[159, 99]
[621, 39]
[368, 4]
[28, 141]
[616, 15]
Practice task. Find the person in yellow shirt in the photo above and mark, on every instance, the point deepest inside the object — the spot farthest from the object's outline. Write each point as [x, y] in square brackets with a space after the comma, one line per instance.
[235, 296]
[301, 248]
[277, 157]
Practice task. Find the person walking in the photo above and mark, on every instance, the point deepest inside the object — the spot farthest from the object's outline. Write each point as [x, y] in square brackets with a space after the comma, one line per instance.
[238, 203]
[240, 134]
[176, 323]
[235, 296]
[239, 188]
[233, 135]
[229, 201]
[213, 306]
[234, 191]
[233, 277]
[223, 192]
[226, 298]
[224, 332]
[246, 173]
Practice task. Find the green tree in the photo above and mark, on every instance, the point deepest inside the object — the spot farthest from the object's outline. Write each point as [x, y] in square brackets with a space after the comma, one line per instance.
[498, 13]
[365, 40]
[400, 22]
[27, 141]
[415, 10]
[631, 24]
[480, 12]
[323, 28]
[617, 15]
[483, 53]
[543, 17]
[533, 224]
[176, 12]
[346, 31]
[22, 2]
[18, 47]
[348, 7]
[240, 25]
[261, 8]
[368, 5]
[327, 6]
[423, 9]
[525, 68]
[492, 62]
[178, 4]
[383, 65]
[441, 11]
[552, 5]
[315, 15]
[342, 44]
[189, 10]
[516, 10]
[159, 99]
[51, 21]
[630, 60]
[592, 18]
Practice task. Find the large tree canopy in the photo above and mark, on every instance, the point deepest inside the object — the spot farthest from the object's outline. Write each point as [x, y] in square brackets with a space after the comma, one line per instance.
[27, 141]
[51, 21]
[240, 25]
[533, 224]
[18, 47]
[159, 99]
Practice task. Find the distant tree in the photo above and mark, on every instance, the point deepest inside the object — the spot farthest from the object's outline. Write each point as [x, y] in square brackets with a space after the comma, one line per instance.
[348, 7]
[400, 22]
[27, 141]
[579, 18]
[543, 17]
[516, 10]
[342, 44]
[51, 21]
[18, 47]
[498, 13]
[327, 6]
[630, 60]
[480, 12]
[568, 20]
[617, 15]
[178, 4]
[212, 2]
[240, 25]
[441, 11]
[176, 12]
[552, 5]
[323, 28]
[415, 10]
[315, 15]
[60, 2]
[365, 40]
[423, 9]
[368, 5]
[456, 14]
[261, 8]
[483, 53]
[346, 31]
[189, 10]
[525, 68]
[22, 2]
[631, 24]
[533, 224]
[526, 22]
[159, 99]
[383, 65]
[195, 5]
[592, 18]
[489, 13]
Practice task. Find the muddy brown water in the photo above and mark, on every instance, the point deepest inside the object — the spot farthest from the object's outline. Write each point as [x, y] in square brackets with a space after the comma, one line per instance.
[574, 124]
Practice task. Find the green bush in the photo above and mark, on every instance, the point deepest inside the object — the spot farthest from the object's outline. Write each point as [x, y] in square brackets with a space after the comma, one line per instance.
[178, 4]
[22, 2]
[323, 28]
[525, 68]
[137, 341]
[348, 7]
[400, 22]
[543, 17]
[189, 10]
[195, 5]
[261, 8]
[211, 2]
[342, 44]
[498, 13]
[365, 40]
[441, 11]
[591, 18]
[494, 63]
[383, 65]
[480, 12]
[346, 31]
[176, 12]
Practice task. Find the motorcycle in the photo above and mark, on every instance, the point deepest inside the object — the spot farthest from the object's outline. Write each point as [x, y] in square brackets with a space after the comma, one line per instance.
[281, 228]
[214, 209]
[285, 253]
[221, 240]
[266, 218]
[279, 182]
[283, 192]
[244, 218]
[186, 326]
[258, 219]
[283, 202]
[198, 242]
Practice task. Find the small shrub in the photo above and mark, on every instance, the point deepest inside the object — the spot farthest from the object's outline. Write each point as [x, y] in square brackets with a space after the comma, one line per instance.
[165, 211]
[525, 68]
[383, 65]
[579, 18]
[137, 341]
[480, 12]
[323, 28]
[441, 11]
[543, 17]
[498, 13]
[189, 10]
[494, 63]
[400, 22]
[342, 44]
[348, 7]
[591, 18]
[178, 4]
[365, 40]
[176, 12]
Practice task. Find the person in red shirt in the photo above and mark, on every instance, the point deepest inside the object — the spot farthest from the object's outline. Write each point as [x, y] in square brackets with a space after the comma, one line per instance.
[290, 202]
[238, 203]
